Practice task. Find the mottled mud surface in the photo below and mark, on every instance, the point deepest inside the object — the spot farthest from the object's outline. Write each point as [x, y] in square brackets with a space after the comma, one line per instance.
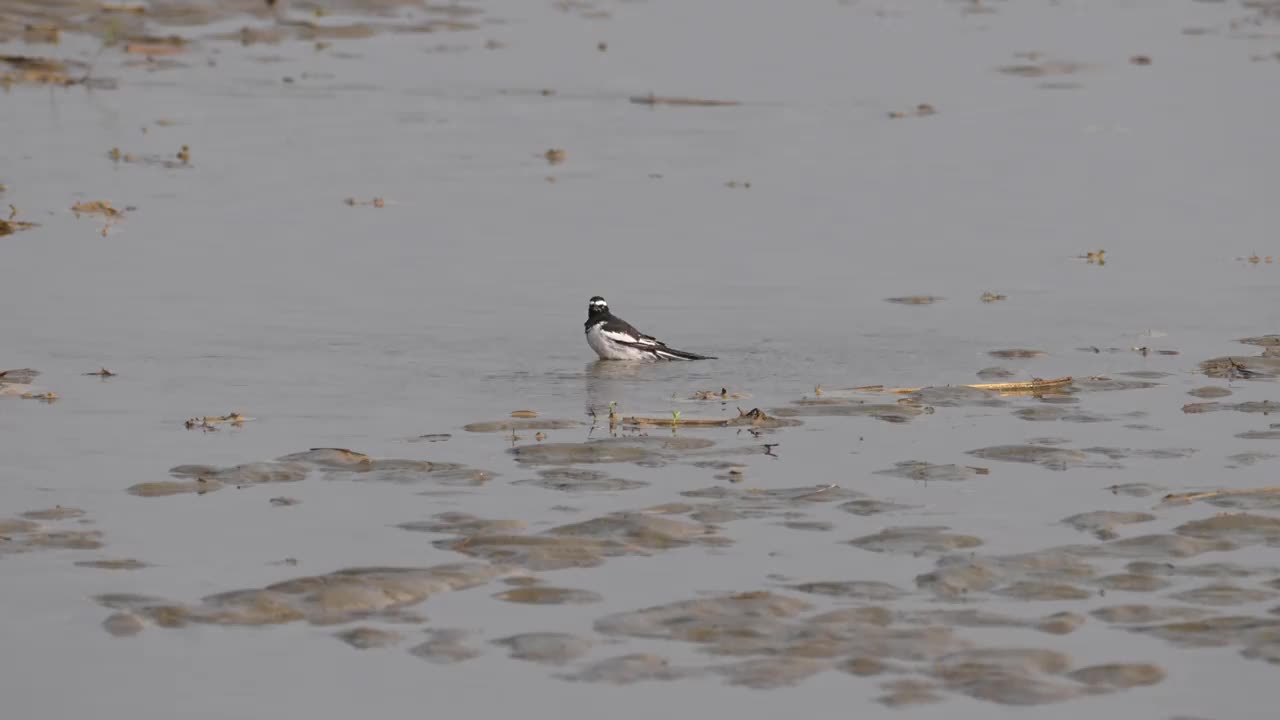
[352, 452]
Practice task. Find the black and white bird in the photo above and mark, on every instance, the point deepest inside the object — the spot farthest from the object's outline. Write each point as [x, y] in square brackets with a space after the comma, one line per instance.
[616, 339]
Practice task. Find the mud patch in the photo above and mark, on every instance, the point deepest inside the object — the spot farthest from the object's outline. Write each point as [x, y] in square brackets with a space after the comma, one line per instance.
[1222, 595]
[915, 541]
[580, 480]
[1102, 523]
[629, 669]
[1047, 457]
[463, 524]
[541, 595]
[1243, 528]
[330, 463]
[445, 647]
[38, 530]
[920, 470]
[335, 598]
[649, 451]
[870, 590]
[367, 638]
[547, 648]
[584, 544]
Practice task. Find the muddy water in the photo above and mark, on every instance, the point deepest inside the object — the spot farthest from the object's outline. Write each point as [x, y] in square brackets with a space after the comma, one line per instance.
[948, 551]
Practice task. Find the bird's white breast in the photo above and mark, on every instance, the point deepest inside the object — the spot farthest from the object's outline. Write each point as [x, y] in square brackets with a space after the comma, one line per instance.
[607, 349]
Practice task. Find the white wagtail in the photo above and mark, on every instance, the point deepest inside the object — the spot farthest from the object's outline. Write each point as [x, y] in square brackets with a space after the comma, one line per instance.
[615, 339]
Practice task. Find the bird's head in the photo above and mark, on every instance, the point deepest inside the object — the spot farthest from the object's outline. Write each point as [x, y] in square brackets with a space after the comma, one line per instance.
[597, 306]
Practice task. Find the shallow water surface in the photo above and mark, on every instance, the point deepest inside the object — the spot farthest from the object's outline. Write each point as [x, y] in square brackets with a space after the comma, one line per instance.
[347, 246]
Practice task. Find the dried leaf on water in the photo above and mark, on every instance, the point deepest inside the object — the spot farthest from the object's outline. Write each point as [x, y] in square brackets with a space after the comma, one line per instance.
[9, 227]
[95, 207]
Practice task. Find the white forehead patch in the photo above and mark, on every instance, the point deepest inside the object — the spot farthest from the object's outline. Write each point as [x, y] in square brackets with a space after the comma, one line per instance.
[599, 303]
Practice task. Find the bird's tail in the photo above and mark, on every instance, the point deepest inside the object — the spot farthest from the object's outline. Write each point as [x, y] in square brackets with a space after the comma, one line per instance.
[667, 353]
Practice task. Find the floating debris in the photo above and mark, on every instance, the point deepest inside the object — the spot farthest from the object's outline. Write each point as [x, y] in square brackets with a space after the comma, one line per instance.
[95, 207]
[1045, 68]
[990, 297]
[36, 34]
[652, 99]
[11, 226]
[126, 564]
[723, 395]
[555, 156]
[914, 300]
[375, 202]
[27, 70]
[1016, 353]
[1030, 387]
[103, 373]
[432, 437]
[520, 424]
[210, 422]
[921, 110]
[523, 414]
[155, 49]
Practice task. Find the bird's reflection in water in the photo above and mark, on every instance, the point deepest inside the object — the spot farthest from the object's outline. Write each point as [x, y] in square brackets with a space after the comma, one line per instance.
[607, 381]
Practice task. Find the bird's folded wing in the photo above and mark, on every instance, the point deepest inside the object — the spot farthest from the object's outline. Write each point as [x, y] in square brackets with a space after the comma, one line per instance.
[638, 340]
